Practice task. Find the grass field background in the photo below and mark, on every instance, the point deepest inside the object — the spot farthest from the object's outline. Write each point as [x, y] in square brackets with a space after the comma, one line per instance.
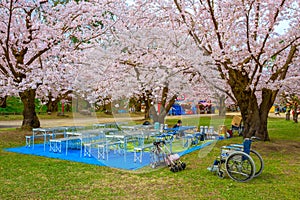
[33, 177]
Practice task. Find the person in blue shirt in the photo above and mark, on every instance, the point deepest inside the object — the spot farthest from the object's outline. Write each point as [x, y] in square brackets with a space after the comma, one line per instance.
[179, 123]
[176, 126]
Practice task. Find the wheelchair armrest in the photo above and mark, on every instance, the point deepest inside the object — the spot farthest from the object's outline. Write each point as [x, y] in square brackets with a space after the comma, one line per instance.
[231, 148]
[237, 145]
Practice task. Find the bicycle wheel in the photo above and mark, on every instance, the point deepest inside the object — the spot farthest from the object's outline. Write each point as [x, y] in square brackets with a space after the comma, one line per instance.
[258, 161]
[240, 166]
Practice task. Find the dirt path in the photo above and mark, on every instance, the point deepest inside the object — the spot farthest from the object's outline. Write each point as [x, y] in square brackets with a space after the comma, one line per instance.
[64, 122]
[89, 120]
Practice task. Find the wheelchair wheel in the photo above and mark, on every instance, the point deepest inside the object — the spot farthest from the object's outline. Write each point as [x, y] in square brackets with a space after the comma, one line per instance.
[240, 166]
[258, 161]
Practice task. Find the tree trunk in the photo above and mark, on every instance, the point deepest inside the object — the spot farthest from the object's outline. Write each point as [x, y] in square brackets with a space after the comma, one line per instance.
[222, 107]
[147, 102]
[3, 102]
[52, 106]
[255, 123]
[30, 119]
[158, 117]
[164, 107]
[146, 98]
[255, 116]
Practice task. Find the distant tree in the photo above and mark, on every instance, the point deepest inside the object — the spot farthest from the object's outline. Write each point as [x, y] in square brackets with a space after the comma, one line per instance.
[3, 101]
[40, 43]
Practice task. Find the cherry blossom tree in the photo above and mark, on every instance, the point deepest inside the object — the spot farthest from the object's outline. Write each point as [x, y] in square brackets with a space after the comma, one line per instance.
[148, 58]
[250, 53]
[40, 43]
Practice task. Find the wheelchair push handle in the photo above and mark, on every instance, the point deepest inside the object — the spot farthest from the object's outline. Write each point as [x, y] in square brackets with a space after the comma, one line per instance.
[253, 138]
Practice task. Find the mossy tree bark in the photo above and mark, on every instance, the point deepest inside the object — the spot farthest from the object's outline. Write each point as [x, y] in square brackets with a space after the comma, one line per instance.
[254, 114]
[165, 107]
[52, 106]
[30, 119]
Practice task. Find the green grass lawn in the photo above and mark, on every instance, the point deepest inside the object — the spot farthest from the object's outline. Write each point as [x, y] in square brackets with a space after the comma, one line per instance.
[33, 177]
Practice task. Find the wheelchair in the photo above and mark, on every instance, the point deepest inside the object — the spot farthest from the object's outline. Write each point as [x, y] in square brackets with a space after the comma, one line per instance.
[239, 161]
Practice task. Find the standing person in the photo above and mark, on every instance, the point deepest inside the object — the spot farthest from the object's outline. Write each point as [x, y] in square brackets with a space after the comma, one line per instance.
[288, 112]
[277, 111]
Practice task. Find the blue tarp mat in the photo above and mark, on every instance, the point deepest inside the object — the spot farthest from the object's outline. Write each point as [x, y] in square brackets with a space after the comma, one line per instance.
[195, 148]
[114, 160]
